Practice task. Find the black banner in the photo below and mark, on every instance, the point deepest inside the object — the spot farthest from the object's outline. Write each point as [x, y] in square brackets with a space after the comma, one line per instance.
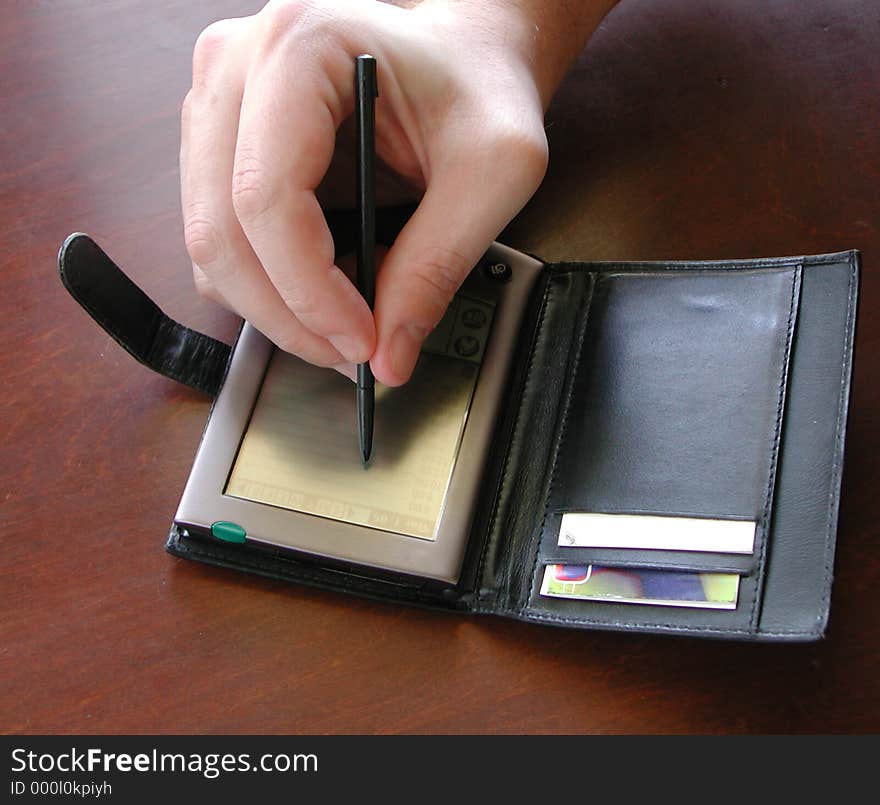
[128, 769]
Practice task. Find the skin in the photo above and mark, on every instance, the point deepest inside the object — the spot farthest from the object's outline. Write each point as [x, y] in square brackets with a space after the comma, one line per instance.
[267, 139]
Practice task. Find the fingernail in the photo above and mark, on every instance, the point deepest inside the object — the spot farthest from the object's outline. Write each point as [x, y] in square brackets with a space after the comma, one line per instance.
[406, 342]
[347, 369]
[352, 349]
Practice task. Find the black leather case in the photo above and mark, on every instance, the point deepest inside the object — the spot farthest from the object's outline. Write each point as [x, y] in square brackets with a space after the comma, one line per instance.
[687, 388]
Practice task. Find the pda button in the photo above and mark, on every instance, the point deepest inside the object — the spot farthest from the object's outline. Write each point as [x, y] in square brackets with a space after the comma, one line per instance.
[499, 272]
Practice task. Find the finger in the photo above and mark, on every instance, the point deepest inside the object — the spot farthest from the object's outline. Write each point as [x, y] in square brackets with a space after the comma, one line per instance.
[347, 369]
[348, 265]
[226, 265]
[207, 289]
[285, 144]
[461, 213]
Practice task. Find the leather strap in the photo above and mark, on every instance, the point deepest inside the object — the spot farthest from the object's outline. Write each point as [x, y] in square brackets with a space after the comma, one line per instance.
[135, 322]
[145, 332]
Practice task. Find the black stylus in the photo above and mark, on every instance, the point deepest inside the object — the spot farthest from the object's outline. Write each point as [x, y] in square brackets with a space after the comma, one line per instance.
[366, 92]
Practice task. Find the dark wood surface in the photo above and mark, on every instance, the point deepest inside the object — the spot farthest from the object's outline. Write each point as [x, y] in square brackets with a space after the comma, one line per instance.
[686, 130]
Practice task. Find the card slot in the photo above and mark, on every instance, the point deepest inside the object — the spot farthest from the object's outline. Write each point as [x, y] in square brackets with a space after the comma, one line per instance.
[677, 405]
[697, 561]
[634, 617]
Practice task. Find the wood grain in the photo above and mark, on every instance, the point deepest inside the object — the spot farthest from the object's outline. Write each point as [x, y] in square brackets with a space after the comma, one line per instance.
[720, 129]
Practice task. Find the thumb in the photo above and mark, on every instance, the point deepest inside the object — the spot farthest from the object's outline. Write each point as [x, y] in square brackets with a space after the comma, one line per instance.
[461, 213]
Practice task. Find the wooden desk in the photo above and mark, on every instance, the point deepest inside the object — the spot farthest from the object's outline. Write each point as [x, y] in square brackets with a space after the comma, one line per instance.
[725, 129]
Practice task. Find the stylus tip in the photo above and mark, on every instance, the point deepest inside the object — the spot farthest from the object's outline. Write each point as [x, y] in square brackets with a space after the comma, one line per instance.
[365, 408]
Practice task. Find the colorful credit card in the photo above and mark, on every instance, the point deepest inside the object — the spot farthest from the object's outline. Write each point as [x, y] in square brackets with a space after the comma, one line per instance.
[626, 585]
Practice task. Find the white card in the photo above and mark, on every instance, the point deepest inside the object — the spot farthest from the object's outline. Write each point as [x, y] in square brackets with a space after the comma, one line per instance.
[655, 532]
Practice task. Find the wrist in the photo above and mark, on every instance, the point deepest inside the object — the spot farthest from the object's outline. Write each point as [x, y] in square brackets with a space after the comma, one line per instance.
[545, 36]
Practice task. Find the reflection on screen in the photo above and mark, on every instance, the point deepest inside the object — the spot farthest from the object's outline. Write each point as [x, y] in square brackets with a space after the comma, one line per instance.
[300, 450]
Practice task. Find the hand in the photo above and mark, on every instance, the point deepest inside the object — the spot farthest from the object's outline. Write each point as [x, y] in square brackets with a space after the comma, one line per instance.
[459, 117]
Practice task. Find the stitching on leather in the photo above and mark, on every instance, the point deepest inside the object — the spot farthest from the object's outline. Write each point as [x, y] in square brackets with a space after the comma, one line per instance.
[630, 626]
[634, 624]
[648, 266]
[586, 305]
[690, 567]
[515, 434]
[838, 452]
[774, 453]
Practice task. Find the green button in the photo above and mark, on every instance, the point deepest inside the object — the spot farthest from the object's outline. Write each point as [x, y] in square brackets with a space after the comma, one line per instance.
[228, 532]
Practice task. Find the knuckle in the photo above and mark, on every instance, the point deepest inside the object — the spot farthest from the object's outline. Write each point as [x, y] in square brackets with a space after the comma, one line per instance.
[300, 342]
[251, 189]
[287, 17]
[304, 305]
[210, 46]
[202, 239]
[537, 157]
[524, 148]
[204, 286]
[290, 340]
[438, 275]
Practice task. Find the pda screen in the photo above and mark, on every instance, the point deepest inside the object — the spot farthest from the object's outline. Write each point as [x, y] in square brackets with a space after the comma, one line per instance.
[300, 449]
